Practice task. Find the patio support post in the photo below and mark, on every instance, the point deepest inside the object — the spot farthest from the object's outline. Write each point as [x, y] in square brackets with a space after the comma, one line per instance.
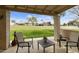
[56, 26]
[4, 28]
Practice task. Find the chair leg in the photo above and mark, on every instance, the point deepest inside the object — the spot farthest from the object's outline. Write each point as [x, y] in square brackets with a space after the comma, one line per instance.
[78, 49]
[17, 49]
[59, 43]
[44, 50]
[32, 43]
[66, 47]
[32, 46]
[28, 49]
[54, 48]
[38, 45]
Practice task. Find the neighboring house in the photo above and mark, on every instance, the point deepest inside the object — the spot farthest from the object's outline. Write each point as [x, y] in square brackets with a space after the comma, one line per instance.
[77, 23]
[47, 24]
[74, 23]
[44, 24]
[30, 23]
[20, 23]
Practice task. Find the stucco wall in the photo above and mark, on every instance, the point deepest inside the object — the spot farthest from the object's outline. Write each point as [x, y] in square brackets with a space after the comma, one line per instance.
[4, 30]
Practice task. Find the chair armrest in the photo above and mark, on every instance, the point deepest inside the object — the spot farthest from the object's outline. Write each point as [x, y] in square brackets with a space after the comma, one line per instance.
[67, 43]
[66, 37]
[24, 37]
[24, 42]
[72, 42]
[62, 39]
[32, 39]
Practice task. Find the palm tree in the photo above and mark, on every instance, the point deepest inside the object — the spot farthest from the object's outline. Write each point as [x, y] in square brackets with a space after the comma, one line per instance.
[75, 11]
[32, 20]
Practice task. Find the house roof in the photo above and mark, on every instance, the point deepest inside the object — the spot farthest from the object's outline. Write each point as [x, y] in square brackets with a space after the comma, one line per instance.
[38, 9]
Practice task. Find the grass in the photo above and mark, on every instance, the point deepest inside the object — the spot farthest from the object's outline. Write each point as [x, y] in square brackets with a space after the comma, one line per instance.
[37, 31]
[32, 31]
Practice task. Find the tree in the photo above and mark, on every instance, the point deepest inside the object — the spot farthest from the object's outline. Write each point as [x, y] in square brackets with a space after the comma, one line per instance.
[62, 14]
[75, 10]
[71, 22]
[33, 20]
[64, 24]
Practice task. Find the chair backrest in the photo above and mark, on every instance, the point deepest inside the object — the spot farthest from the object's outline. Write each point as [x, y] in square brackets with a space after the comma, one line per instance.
[19, 37]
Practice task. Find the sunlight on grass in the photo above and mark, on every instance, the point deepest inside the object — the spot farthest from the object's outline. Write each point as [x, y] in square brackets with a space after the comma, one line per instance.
[32, 31]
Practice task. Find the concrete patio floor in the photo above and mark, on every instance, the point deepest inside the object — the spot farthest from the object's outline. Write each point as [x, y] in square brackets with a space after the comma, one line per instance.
[35, 50]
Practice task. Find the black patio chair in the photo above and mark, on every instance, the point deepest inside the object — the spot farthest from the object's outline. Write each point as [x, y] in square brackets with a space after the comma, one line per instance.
[72, 44]
[21, 43]
[61, 38]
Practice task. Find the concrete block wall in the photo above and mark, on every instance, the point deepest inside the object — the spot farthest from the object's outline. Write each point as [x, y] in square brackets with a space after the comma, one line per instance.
[73, 35]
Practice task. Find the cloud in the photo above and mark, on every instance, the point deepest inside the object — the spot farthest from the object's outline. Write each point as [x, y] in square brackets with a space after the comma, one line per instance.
[18, 20]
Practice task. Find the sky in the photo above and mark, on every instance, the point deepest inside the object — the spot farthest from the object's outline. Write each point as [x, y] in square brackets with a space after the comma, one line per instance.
[23, 17]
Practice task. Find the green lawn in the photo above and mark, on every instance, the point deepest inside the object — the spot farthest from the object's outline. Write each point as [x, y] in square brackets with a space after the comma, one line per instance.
[32, 31]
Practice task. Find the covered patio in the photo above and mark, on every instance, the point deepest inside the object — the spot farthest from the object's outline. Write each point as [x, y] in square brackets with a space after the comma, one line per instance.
[35, 49]
[52, 10]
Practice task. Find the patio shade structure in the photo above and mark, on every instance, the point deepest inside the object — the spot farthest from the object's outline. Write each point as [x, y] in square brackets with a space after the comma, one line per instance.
[52, 10]
[38, 9]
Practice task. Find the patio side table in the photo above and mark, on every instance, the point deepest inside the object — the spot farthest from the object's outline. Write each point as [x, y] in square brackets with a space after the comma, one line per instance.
[46, 44]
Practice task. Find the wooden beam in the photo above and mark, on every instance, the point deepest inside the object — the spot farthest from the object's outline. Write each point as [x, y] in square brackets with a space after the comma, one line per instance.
[39, 11]
[52, 9]
[66, 7]
[24, 10]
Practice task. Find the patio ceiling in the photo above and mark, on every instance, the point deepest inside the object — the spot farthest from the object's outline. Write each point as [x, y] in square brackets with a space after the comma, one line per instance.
[38, 9]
